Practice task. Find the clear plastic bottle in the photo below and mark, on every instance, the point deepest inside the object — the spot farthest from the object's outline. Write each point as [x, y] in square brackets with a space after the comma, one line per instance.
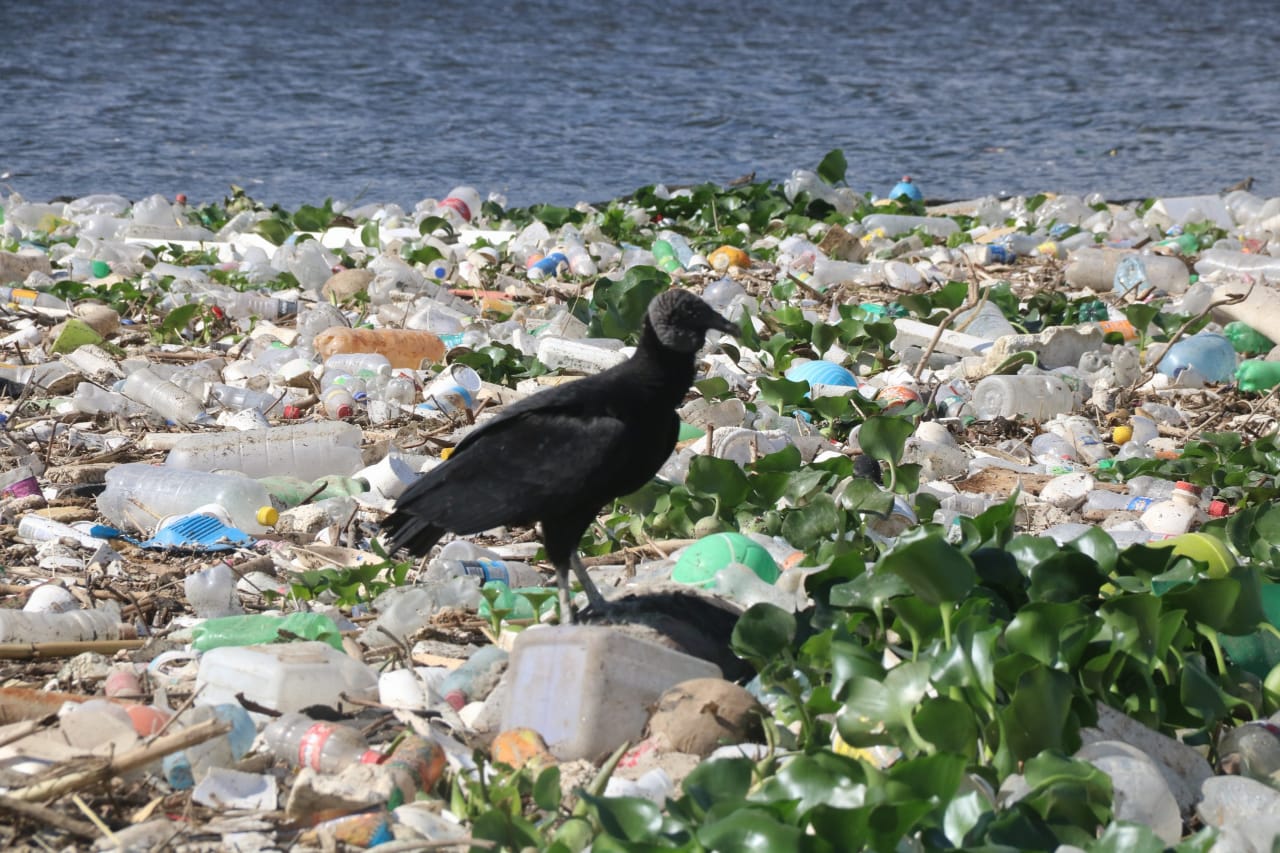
[1210, 354]
[513, 574]
[338, 403]
[1049, 448]
[163, 397]
[73, 626]
[1153, 487]
[475, 678]
[321, 746]
[1100, 502]
[1136, 274]
[34, 298]
[211, 592]
[367, 364]
[39, 528]
[1034, 396]
[1084, 438]
[357, 387]
[402, 347]
[185, 769]
[92, 400]
[236, 399]
[308, 450]
[138, 496]
[1174, 516]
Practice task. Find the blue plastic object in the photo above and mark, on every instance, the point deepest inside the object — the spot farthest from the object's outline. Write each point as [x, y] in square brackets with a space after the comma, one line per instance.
[906, 189]
[822, 373]
[1211, 355]
[197, 533]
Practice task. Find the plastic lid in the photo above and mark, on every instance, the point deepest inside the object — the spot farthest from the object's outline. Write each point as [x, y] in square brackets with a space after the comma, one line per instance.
[267, 516]
[345, 410]
[1186, 487]
[1218, 508]
[291, 413]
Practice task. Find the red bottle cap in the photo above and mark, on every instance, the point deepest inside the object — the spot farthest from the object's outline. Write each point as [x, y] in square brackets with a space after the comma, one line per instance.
[1186, 487]
[291, 413]
[1218, 508]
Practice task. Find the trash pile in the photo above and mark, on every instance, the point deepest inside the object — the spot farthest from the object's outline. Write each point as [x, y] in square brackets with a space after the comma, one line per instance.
[966, 539]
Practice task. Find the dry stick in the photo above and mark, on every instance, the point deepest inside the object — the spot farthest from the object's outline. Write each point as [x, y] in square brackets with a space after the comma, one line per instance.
[32, 651]
[970, 302]
[51, 817]
[132, 760]
[1177, 336]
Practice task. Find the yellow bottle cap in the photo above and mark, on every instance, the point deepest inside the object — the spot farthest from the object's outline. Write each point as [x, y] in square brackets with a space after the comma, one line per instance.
[267, 516]
[1121, 434]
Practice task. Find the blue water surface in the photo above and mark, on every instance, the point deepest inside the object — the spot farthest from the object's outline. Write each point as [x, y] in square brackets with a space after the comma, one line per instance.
[573, 100]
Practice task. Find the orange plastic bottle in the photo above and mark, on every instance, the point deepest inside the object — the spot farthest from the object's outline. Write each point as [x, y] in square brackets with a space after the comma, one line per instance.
[402, 347]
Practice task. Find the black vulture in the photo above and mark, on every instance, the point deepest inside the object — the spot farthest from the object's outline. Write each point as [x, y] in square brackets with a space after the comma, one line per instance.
[559, 456]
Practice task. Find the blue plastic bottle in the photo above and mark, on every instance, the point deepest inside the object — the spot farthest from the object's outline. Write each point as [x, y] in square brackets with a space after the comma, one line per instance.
[1210, 354]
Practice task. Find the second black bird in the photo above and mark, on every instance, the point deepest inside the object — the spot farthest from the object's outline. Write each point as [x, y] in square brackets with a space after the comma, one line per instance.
[559, 456]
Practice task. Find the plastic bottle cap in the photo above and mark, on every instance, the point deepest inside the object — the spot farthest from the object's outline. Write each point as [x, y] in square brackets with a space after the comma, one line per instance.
[344, 410]
[267, 516]
[291, 413]
[1186, 487]
[1218, 508]
[1122, 434]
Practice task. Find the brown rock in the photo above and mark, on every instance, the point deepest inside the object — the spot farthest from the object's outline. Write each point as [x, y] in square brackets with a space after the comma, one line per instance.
[101, 318]
[699, 715]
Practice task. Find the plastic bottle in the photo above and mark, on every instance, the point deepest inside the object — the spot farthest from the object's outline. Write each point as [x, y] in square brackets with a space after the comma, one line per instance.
[1258, 375]
[548, 266]
[1051, 449]
[986, 321]
[464, 201]
[1211, 355]
[211, 592]
[895, 224]
[163, 397]
[401, 347]
[34, 298]
[324, 747]
[1236, 264]
[363, 364]
[1084, 438]
[665, 255]
[1136, 274]
[72, 626]
[39, 528]
[1251, 749]
[1034, 396]
[138, 496]
[338, 403]
[1246, 339]
[1154, 487]
[475, 678]
[307, 450]
[513, 574]
[236, 399]
[184, 769]
[1174, 516]
[985, 255]
[1100, 502]
[843, 199]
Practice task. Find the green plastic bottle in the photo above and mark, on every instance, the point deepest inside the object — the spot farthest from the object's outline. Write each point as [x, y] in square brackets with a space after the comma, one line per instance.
[665, 255]
[1258, 375]
[1245, 339]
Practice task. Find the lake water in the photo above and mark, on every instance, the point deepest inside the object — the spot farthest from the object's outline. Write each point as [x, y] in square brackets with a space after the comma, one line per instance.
[558, 102]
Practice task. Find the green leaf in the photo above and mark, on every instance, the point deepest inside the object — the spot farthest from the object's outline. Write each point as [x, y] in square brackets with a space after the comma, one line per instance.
[714, 388]
[1036, 717]
[763, 631]
[934, 569]
[546, 789]
[833, 166]
[883, 437]
[630, 819]
[749, 830]
[370, 235]
[785, 461]
[817, 780]
[782, 393]
[720, 780]
[715, 477]
[1053, 634]
[275, 231]
[948, 725]
[310, 218]
[806, 526]
[432, 224]
[1128, 838]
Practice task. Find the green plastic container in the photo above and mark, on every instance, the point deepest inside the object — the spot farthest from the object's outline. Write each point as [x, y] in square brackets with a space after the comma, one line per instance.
[699, 563]
[259, 629]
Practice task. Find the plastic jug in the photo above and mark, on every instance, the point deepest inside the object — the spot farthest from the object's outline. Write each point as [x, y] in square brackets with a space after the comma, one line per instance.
[1211, 355]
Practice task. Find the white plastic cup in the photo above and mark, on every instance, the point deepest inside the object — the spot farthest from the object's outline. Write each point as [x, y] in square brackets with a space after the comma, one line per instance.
[453, 390]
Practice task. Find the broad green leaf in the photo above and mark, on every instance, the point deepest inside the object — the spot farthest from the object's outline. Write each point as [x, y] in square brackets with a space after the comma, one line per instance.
[949, 725]
[749, 830]
[806, 526]
[546, 789]
[833, 166]
[722, 779]
[810, 781]
[883, 437]
[1036, 717]
[273, 230]
[934, 570]
[722, 478]
[763, 631]
[626, 818]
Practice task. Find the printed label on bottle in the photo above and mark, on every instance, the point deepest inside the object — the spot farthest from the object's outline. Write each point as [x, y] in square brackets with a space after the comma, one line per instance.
[457, 205]
[312, 745]
[487, 570]
[1139, 504]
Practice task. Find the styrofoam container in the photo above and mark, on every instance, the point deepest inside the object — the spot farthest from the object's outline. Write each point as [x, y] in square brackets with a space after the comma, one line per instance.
[587, 688]
[284, 676]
